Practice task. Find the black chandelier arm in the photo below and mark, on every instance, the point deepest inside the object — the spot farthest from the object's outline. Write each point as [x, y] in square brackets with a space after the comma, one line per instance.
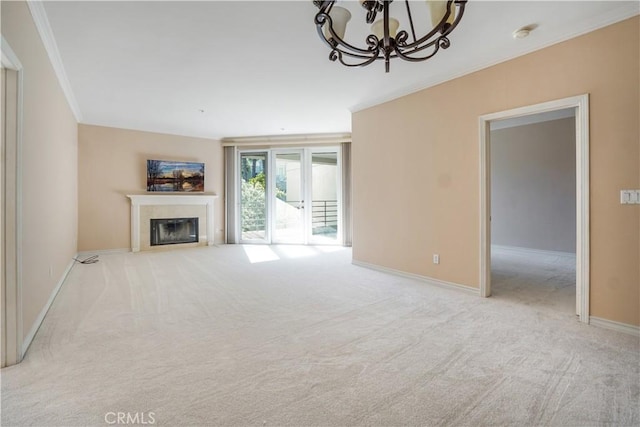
[441, 41]
[372, 7]
[402, 53]
[413, 30]
[444, 42]
[401, 38]
[401, 43]
[461, 5]
[337, 55]
[372, 52]
[323, 5]
[323, 18]
[448, 28]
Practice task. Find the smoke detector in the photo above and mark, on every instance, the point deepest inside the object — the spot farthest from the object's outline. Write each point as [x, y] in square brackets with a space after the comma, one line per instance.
[523, 32]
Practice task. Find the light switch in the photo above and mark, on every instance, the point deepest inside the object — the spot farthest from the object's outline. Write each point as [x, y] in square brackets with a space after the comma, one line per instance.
[624, 197]
[629, 197]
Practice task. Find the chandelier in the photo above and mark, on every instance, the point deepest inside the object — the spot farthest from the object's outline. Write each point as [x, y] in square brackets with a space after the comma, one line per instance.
[386, 41]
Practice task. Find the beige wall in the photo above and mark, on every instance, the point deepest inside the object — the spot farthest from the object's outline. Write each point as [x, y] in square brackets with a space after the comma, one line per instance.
[49, 166]
[112, 163]
[418, 157]
[533, 186]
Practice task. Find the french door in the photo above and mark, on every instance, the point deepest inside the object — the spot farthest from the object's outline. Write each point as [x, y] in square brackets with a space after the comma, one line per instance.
[290, 196]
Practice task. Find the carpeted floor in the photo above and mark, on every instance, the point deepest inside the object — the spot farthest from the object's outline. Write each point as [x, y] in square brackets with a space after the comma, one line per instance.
[301, 337]
[546, 281]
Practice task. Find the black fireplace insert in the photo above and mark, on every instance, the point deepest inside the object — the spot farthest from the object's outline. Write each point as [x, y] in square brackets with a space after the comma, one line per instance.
[170, 231]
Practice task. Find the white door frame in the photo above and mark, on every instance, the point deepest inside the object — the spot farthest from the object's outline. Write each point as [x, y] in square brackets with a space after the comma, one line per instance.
[581, 104]
[306, 164]
[11, 270]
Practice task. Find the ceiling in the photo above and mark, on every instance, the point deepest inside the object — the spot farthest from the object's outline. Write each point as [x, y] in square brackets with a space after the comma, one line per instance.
[219, 69]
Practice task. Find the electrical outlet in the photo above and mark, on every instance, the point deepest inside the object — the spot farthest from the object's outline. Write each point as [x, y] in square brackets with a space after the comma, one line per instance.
[51, 271]
[436, 259]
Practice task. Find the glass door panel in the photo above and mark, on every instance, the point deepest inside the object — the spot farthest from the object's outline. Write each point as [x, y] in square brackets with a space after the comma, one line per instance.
[324, 197]
[288, 200]
[290, 196]
[253, 198]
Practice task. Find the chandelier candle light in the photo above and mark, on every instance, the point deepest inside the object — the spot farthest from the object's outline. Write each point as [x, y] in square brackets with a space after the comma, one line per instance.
[386, 41]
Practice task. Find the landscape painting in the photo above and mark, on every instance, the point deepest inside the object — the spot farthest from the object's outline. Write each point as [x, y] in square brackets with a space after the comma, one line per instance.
[163, 175]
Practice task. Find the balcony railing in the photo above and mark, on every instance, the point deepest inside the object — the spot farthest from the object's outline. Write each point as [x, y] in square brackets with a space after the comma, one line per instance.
[324, 215]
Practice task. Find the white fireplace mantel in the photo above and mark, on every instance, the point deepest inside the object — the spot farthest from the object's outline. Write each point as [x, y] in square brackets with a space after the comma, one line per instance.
[138, 200]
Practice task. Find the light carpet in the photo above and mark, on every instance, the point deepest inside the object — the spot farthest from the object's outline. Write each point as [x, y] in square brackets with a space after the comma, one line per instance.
[268, 336]
[545, 280]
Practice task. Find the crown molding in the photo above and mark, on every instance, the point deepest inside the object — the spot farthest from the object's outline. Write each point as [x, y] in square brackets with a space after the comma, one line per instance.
[41, 21]
[9, 58]
[612, 17]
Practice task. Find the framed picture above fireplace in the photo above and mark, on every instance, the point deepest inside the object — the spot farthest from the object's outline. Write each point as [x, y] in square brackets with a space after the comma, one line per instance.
[173, 176]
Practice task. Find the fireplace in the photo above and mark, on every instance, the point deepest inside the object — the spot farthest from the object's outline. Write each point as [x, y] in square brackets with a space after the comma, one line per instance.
[147, 206]
[171, 231]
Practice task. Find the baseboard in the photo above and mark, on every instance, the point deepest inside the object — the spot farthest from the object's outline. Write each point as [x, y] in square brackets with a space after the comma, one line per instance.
[103, 252]
[36, 325]
[425, 279]
[615, 326]
[531, 251]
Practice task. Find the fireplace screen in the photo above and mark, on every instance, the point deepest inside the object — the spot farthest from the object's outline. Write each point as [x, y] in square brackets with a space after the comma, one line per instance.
[174, 230]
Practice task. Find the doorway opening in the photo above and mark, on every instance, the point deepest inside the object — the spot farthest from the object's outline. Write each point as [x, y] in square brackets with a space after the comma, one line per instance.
[290, 196]
[533, 215]
[568, 106]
